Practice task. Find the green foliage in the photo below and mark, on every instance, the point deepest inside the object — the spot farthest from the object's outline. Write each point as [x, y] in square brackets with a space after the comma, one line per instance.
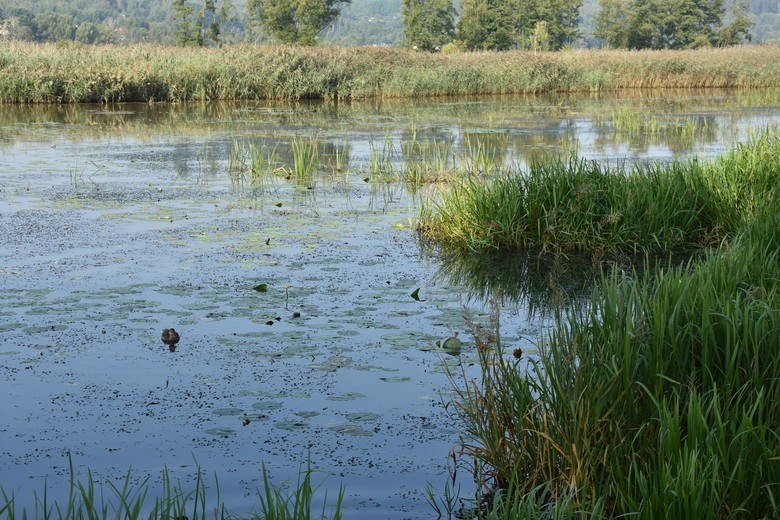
[295, 21]
[658, 398]
[508, 24]
[669, 24]
[51, 26]
[580, 206]
[428, 24]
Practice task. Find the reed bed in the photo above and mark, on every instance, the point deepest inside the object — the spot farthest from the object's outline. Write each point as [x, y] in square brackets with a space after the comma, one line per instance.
[660, 399]
[71, 73]
[580, 206]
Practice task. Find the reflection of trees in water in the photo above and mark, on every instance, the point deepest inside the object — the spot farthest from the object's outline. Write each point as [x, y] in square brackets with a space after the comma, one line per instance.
[548, 139]
[638, 131]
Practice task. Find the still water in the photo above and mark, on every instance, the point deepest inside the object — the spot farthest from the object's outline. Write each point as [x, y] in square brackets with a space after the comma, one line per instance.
[291, 285]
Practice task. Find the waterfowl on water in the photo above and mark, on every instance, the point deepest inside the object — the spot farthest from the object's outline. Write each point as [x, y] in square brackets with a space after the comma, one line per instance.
[170, 337]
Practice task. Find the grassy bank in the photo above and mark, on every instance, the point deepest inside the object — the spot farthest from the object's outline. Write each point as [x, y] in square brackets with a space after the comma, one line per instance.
[582, 206]
[47, 73]
[660, 398]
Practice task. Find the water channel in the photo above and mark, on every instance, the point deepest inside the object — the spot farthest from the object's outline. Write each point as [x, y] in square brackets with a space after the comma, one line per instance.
[300, 337]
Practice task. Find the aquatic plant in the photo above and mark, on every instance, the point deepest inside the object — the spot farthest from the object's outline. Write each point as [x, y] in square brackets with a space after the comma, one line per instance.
[579, 205]
[88, 499]
[659, 399]
[49, 73]
[306, 160]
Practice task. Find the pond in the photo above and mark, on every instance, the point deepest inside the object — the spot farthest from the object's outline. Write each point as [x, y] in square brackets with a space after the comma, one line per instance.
[279, 241]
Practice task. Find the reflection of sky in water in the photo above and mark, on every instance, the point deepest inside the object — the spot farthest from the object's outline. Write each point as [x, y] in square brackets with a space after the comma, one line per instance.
[125, 220]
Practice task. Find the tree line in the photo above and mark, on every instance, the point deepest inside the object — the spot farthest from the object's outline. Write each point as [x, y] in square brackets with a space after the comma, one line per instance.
[428, 25]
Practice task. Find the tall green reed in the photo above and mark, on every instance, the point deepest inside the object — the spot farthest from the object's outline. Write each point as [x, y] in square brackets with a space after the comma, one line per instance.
[659, 399]
[87, 499]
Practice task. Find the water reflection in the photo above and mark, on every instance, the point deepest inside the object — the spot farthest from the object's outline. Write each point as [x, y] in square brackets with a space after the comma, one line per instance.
[638, 125]
[542, 283]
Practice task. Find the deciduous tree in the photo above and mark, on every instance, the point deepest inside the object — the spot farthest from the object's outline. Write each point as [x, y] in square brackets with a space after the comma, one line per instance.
[295, 21]
[669, 24]
[506, 24]
[428, 24]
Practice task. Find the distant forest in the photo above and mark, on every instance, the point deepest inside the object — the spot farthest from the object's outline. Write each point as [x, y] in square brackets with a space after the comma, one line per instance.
[362, 22]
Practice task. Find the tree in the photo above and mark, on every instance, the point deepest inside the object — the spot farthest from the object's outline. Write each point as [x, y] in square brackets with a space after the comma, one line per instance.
[486, 25]
[428, 24]
[506, 24]
[54, 27]
[668, 24]
[186, 33]
[294, 21]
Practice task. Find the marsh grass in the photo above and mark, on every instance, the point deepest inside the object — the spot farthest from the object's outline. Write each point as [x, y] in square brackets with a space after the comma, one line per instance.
[659, 399]
[581, 206]
[306, 160]
[89, 500]
[56, 73]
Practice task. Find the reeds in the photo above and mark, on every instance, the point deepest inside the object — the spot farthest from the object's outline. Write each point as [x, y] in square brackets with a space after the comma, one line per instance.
[578, 205]
[48, 73]
[658, 399]
[88, 500]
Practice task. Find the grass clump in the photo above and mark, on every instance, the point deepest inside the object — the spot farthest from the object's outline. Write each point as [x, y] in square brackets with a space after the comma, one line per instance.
[658, 399]
[581, 206]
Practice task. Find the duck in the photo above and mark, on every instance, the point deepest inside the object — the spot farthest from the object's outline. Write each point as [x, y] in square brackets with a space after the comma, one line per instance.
[170, 337]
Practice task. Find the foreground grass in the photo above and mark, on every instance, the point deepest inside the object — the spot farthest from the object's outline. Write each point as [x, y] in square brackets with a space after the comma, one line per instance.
[582, 206]
[658, 399]
[49, 73]
[88, 500]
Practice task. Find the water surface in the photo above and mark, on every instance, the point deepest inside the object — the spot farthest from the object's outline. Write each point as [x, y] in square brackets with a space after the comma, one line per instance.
[118, 221]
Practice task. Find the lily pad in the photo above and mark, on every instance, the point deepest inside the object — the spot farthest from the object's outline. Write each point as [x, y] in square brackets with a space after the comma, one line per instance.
[221, 432]
[291, 425]
[351, 429]
[349, 396]
[228, 411]
[307, 415]
[267, 405]
[397, 379]
[362, 416]
[261, 287]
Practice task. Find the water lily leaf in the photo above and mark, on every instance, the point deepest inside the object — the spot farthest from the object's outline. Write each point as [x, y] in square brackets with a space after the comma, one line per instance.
[228, 411]
[416, 294]
[261, 287]
[351, 429]
[452, 346]
[349, 396]
[221, 432]
[278, 204]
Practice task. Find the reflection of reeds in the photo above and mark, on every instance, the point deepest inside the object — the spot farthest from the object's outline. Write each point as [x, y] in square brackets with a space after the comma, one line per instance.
[659, 398]
[544, 282]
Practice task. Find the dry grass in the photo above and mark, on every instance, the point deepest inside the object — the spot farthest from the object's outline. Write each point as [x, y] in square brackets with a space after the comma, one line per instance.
[67, 73]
